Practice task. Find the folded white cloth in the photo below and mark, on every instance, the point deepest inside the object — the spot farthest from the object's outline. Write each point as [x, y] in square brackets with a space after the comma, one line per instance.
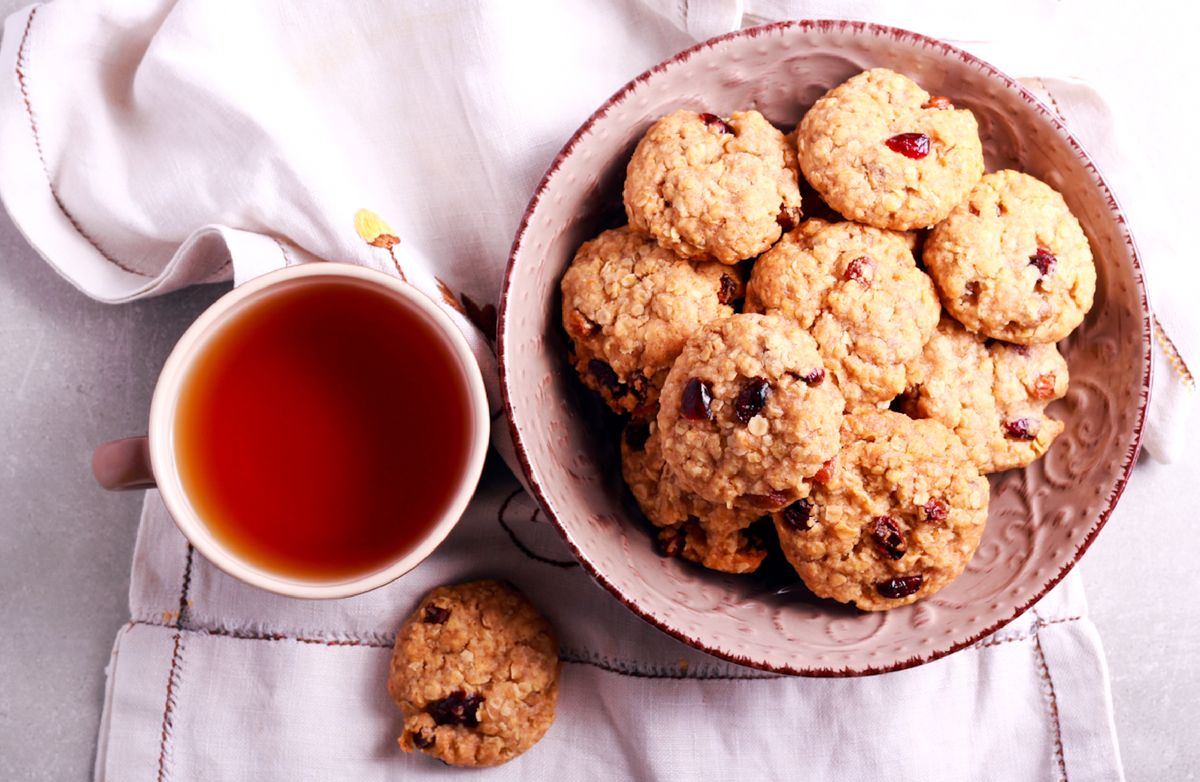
[149, 145]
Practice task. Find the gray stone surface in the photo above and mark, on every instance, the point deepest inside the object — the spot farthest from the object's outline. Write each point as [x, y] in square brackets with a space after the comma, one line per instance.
[74, 373]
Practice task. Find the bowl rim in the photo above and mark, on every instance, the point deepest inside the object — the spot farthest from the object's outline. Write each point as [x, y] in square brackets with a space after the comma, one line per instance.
[857, 28]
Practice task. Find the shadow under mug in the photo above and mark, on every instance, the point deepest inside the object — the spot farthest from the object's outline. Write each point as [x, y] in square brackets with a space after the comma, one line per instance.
[146, 462]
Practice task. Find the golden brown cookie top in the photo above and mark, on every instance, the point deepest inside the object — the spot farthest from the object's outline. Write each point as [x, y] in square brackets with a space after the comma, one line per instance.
[992, 394]
[747, 412]
[628, 307]
[1012, 262]
[713, 188]
[859, 293]
[882, 151]
[475, 673]
[897, 516]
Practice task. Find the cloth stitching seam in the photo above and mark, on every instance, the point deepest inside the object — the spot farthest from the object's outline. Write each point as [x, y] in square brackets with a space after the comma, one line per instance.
[632, 669]
[175, 672]
[1052, 703]
[23, 84]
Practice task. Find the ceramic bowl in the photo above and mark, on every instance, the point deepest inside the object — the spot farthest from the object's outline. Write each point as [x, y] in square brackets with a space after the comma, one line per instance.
[1042, 518]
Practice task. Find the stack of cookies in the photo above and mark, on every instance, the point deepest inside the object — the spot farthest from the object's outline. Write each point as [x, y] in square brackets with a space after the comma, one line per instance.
[839, 385]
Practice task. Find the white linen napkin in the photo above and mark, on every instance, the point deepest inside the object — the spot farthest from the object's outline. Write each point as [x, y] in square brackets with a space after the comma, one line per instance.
[149, 145]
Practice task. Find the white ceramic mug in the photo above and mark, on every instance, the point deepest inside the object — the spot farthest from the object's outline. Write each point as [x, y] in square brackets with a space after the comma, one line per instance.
[143, 462]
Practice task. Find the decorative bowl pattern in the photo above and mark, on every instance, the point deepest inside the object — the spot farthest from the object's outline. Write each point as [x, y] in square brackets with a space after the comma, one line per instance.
[1042, 518]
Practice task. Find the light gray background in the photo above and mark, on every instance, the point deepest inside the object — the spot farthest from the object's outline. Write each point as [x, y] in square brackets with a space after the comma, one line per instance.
[74, 373]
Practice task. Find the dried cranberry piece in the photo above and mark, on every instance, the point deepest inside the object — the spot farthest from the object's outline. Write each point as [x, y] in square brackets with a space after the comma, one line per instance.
[637, 432]
[798, 515]
[911, 145]
[1043, 387]
[772, 500]
[825, 473]
[1044, 260]
[713, 121]
[900, 586]
[888, 537]
[1021, 429]
[814, 377]
[940, 102]
[751, 399]
[457, 708]
[788, 218]
[697, 400]
[861, 270]
[935, 510]
[729, 289]
[421, 741]
[435, 615]
[605, 375]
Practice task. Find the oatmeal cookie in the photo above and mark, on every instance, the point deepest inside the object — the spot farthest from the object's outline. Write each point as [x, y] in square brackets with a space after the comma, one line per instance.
[717, 537]
[475, 673]
[713, 188]
[993, 395]
[747, 413]
[882, 151]
[858, 292]
[896, 518]
[1012, 262]
[629, 305]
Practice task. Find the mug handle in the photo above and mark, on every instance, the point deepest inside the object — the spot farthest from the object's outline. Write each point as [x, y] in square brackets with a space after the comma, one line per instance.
[124, 464]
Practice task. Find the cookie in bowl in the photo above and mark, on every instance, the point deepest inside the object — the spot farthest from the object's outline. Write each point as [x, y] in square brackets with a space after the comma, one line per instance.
[1012, 262]
[992, 394]
[707, 533]
[713, 188]
[857, 290]
[475, 673]
[897, 516]
[882, 151]
[628, 306]
[747, 413]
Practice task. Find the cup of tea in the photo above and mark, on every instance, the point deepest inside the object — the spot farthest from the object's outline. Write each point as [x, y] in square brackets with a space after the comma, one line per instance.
[317, 432]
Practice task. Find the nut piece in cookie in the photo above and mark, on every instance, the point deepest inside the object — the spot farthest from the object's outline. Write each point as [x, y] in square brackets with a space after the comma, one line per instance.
[882, 151]
[629, 305]
[993, 395]
[898, 517]
[713, 188]
[475, 673]
[1012, 262]
[712, 535]
[858, 292]
[747, 414]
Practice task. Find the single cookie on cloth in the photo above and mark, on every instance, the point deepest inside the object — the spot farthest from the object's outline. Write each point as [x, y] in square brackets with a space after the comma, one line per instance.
[629, 305]
[858, 292]
[475, 673]
[712, 535]
[896, 517]
[882, 151]
[992, 394]
[713, 188]
[747, 413]
[1012, 262]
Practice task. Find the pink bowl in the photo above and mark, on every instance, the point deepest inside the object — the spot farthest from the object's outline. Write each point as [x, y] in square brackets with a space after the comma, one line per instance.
[1042, 518]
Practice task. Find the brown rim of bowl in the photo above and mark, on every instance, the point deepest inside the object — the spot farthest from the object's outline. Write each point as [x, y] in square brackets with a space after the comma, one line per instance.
[899, 34]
